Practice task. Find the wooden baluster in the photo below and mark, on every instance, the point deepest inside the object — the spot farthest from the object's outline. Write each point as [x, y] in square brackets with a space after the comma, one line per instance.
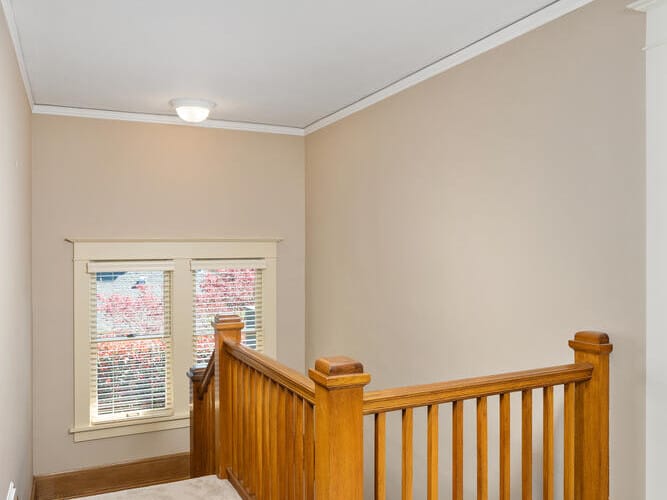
[482, 450]
[406, 460]
[592, 417]
[548, 444]
[568, 446]
[527, 445]
[259, 434]
[298, 448]
[505, 446]
[274, 432]
[243, 450]
[282, 442]
[339, 447]
[252, 431]
[236, 409]
[268, 417]
[309, 450]
[380, 456]
[432, 452]
[227, 328]
[289, 445]
[457, 450]
[197, 424]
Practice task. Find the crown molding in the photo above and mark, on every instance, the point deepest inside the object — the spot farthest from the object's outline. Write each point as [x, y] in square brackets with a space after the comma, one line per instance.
[533, 21]
[543, 16]
[42, 109]
[645, 5]
[14, 35]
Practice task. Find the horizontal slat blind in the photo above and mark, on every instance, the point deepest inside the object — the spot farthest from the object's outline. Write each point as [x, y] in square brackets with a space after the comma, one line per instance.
[221, 287]
[130, 342]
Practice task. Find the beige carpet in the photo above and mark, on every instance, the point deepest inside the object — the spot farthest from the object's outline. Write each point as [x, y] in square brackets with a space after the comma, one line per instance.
[201, 487]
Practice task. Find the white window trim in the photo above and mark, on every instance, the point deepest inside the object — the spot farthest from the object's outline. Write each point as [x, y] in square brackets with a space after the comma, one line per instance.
[181, 252]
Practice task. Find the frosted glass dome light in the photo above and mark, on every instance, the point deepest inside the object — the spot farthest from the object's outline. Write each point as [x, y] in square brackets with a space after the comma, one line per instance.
[192, 110]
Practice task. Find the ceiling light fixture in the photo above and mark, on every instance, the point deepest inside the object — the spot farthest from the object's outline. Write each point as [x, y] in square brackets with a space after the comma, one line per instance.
[192, 110]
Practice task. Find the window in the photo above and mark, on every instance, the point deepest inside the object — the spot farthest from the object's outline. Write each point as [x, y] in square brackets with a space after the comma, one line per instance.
[143, 312]
[226, 287]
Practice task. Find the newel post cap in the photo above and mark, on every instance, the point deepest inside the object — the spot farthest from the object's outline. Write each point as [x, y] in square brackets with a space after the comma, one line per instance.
[338, 372]
[227, 322]
[594, 342]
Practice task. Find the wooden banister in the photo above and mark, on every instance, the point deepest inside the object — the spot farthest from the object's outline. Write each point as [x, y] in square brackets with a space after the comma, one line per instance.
[270, 368]
[591, 417]
[227, 330]
[471, 388]
[280, 435]
[202, 419]
[339, 430]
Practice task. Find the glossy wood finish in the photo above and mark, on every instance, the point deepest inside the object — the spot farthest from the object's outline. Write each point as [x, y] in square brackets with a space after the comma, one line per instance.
[282, 436]
[97, 480]
[548, 443]
[527, 445]
[381, 456]
[592, 417]
[457, 450]
[432, 442]
[458, 390]
[482, 450]
[202, 427]
[407, 466]
[339, 447]
[505, 476]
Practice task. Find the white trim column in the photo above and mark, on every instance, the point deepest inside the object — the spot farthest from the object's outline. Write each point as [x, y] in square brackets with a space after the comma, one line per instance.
[656, 243]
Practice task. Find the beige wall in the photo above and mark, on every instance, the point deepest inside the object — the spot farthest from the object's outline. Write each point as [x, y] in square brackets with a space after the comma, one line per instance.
[15, 338]
[99, 178]
[473, 223]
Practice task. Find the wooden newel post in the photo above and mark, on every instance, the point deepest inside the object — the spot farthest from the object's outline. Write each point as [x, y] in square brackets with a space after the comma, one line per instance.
[339, 428]
[227, 328]
[592, 417]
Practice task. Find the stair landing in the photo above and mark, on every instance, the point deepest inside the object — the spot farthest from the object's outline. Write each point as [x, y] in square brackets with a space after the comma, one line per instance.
[207, 487]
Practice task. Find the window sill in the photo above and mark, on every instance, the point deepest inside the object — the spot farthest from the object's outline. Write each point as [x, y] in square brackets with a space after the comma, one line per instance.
[138, 426]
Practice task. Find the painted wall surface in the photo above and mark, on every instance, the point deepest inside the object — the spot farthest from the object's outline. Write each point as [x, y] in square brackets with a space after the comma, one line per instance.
[15, 336]
[97, 178]
[656, 227]
[472, 223]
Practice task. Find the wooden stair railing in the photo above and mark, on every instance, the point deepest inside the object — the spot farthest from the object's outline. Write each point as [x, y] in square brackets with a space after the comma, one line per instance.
[202, 420]
[279, 435]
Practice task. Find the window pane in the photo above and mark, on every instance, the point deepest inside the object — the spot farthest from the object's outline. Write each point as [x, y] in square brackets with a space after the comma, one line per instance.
[130, 344]
[131, 376]
[130, 305]
[226, 291]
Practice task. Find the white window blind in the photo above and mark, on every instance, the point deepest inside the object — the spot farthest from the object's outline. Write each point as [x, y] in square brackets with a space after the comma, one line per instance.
[130, 340]
[226, 286]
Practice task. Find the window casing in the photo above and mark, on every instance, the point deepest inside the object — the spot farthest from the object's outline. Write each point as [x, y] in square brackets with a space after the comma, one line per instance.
[238, 276]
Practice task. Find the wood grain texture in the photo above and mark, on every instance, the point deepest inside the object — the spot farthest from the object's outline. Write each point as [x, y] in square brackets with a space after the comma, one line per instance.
[290, 379]
[482, 450]
[407, 466]
[380, 456]
[339, 433]
[505, 477]
[457, 450]
[592, 417]
[569, 444]
[527, 445]
[458, 390]
[548, 443]
[432, 445]
[115, 477]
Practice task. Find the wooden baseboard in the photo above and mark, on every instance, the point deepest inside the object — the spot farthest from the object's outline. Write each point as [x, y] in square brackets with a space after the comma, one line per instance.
[115, 477]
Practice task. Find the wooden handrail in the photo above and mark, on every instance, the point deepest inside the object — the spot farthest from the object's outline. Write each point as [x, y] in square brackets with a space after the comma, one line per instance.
[204, 375]
[470, 388]
[281, 374]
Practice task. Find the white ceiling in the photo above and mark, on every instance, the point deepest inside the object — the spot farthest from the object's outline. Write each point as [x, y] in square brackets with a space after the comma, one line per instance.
[289, 62]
